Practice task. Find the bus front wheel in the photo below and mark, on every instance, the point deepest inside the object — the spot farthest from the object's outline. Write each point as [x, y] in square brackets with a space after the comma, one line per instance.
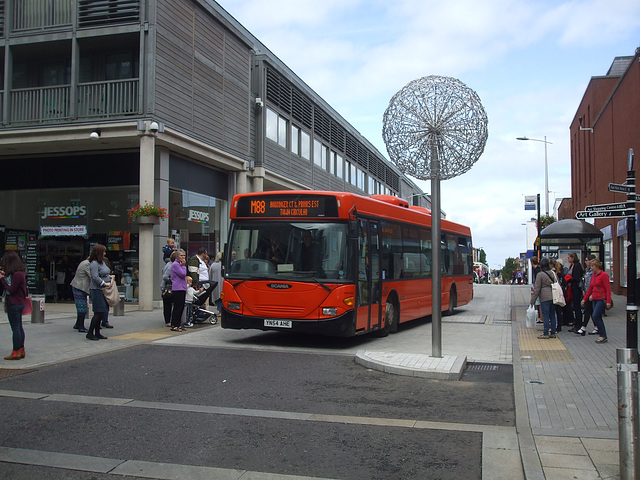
[453, 302]
[391, 314]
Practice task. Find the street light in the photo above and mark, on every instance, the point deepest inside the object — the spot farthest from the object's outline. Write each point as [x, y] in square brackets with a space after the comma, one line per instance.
[546, 169]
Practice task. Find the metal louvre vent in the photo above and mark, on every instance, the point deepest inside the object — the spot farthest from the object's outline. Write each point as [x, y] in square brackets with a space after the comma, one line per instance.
[393, 180]
[281, 93]
[322, 124]
[352, 147]
[337, 136]
[363, 160]
[297, 105]
[93, 13]
[376, 167]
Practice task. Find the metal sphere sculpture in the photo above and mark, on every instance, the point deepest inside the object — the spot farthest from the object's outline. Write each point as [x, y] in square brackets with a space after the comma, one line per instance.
[435, 123]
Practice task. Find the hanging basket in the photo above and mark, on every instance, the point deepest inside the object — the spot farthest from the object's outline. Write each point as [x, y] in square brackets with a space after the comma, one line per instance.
[149, 220]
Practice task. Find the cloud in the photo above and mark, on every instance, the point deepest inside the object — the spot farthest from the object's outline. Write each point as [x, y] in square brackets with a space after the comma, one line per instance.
[529, 62]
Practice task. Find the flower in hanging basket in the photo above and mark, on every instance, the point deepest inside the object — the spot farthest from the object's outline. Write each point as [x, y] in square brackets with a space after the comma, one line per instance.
[147, 210]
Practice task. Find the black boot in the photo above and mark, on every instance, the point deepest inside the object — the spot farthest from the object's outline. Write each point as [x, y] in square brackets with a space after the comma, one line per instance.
[79, 326]
[94, 327]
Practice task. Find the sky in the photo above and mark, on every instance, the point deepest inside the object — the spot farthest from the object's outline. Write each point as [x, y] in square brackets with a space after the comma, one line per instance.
[529, 61]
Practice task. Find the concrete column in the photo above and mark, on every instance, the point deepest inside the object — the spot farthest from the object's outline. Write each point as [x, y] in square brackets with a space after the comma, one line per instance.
[145, 253]
[241, 182]
[258, 179]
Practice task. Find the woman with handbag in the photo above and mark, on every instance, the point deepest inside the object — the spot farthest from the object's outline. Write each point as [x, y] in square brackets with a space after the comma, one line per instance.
[80, 288]
[599, 292]
[100, 277]
[542, 289]
[14, 282]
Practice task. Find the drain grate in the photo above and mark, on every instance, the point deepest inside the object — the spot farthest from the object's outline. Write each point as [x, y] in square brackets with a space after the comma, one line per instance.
[482, 367]
[12, 372]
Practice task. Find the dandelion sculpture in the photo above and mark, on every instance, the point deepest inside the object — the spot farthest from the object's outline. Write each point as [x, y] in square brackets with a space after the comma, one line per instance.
[435, 128]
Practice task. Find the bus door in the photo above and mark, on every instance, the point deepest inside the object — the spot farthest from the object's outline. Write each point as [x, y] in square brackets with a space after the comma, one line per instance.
[369, 280]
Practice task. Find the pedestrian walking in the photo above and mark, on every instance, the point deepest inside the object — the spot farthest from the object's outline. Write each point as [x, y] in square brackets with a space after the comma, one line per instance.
[100, 277]
[14, 281]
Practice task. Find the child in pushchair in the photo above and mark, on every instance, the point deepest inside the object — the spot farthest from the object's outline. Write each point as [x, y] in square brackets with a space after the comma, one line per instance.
[198, 313]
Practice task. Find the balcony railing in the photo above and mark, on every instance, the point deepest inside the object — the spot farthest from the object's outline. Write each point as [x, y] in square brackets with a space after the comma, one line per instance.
[108, 99]
[95, 100]
[41, 14]
[39, 105]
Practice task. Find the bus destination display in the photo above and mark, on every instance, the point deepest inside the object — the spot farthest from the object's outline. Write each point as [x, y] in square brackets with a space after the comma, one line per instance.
[287, 206]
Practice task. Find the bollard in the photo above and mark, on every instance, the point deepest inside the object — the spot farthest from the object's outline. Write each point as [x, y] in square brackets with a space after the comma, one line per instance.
[37, 304]
[627, 360]
[118, 310]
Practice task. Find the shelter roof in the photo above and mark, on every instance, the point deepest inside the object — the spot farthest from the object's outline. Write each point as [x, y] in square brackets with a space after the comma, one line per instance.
[569, 231]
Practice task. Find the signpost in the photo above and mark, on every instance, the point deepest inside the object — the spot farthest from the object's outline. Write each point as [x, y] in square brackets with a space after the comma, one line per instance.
[603, 213]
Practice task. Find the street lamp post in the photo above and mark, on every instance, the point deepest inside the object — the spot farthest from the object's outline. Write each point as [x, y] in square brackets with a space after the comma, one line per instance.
[546, 170]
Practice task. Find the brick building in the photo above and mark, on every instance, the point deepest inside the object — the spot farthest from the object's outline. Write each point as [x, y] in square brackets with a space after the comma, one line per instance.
[606, 125]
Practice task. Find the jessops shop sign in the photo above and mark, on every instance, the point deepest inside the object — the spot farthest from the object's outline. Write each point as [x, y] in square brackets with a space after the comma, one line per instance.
[64, 212]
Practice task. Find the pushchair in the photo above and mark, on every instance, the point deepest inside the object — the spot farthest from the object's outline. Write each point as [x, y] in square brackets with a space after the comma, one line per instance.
[198, 313]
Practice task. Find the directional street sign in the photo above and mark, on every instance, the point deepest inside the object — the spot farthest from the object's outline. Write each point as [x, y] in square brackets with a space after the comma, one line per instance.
[604, 213]
[616, 187]
[606, 206]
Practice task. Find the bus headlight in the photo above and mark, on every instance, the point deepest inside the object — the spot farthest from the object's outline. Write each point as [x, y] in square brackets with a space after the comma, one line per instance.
[329, 311]
[349, 301]
[233, 306]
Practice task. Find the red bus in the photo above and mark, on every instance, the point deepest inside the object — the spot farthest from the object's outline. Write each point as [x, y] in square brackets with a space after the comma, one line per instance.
[337, 263]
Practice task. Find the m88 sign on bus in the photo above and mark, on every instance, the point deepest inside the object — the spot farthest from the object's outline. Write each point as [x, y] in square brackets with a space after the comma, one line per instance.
[289, 206]
[337, 263]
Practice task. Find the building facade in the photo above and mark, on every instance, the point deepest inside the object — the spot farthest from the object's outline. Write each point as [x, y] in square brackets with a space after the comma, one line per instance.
[605, 127]
[107, 104]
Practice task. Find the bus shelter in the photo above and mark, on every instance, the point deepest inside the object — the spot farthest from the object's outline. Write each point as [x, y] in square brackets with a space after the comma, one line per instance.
[571, 235]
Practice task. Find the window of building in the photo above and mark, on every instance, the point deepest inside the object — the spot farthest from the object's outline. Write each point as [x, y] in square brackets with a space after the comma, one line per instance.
[272, 125]
[320, 154]
[305, 145]
[282, 132]
[277, 127]
[353, 175]
[295, 140]
[360, 179]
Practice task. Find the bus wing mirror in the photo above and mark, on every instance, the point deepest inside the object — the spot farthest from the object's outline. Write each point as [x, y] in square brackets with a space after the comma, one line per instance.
[353, 228]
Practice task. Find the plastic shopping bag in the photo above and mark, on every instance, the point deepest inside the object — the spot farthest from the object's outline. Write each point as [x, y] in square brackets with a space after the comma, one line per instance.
[532, 315]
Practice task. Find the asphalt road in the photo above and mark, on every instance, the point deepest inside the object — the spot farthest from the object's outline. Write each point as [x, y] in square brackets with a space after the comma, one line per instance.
[315, 414]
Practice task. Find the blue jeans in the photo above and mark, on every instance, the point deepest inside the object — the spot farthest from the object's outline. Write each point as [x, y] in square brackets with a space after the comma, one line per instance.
[598, 311]
[549, 316]
[14, 313]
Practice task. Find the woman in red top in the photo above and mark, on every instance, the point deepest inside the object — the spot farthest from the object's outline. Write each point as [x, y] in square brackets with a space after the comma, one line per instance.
[599, 293]
[15, 284]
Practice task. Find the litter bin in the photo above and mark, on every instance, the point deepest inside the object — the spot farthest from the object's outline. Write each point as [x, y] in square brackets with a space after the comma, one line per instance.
[118, 310]
[37, 303]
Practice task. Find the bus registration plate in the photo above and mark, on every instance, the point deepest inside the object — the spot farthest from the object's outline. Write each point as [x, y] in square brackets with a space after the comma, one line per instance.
[277, 323]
